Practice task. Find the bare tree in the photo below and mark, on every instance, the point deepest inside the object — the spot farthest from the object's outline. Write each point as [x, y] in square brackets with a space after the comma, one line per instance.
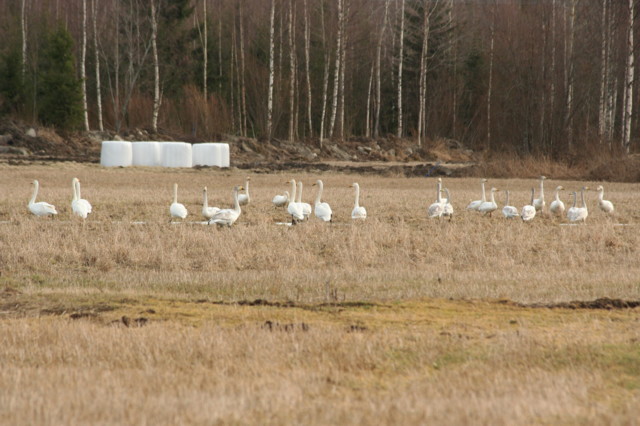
[307, 48]
[83, 69]
[336, 75]
[627, 111]
[400, 63]
[343, 65]
[490, 88]
[568, 120]
[241, 79]
[271, 70]
[325, 74]
[292, 74]
[376, 126]
[23, 28]
[156, 67]
[205, 50]
[423, 75]
[94, 14]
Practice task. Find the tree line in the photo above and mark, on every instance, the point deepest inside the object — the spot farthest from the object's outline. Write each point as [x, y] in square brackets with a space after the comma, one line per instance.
[548, 77]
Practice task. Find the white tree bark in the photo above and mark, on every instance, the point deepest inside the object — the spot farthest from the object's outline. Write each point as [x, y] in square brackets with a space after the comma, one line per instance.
[490, 88]
[603, 72]
[376, 126]
[570, 73]
[83, 68]
[97, 54]
[156, 68]
[422, 96]
[205, 53]
[370, 87]
[271, 70]
[552, 70]
[628, 82]
[336, 76]
[307, 60]
[325, 75]
[343, 66]
[292, 75]
[241, 80]
[400, 63]
[23, 28]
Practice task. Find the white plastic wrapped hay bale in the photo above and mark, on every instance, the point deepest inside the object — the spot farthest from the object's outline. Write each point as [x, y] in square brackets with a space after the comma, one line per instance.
[205, 154]
[225, 160]
[146, 154]
[116, 154]
[176, 154]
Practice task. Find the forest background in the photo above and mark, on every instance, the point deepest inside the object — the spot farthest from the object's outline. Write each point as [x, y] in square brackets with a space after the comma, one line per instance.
[552, 78]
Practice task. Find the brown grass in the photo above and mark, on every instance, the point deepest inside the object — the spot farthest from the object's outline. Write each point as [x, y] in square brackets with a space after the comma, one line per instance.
[405, 355]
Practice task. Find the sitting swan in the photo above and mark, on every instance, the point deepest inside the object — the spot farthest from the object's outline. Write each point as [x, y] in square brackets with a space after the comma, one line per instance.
[448, 207]
[40, 208]
[358, 211]
[605, 205]
[489, 206]
[281, 200]
[510, 212]
[475, 204]
[539, 203]
[322, 210]
[557, 206]
[207, 212]
[227, 217]
[176, 209]
[245, 198]
[529, 211]
[436, 209]
[306, 207]
[294, 209]
[79, 206]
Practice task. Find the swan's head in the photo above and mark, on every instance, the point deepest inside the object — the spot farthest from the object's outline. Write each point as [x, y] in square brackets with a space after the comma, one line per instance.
[585, 188]
[559, 188]
[439, 180]
[75, 180]
[205, 189]
[318, 183]
[354, 185]
[494, 190]
[484, 180]
[599, 188]
[543, 177]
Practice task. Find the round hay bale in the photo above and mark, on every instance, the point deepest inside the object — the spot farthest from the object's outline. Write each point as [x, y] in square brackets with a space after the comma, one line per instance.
[116, 154]
[206, 154]
[176, 154]
[146, 154]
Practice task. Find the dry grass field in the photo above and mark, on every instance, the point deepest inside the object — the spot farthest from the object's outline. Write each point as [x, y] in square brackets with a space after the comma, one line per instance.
[399, 319]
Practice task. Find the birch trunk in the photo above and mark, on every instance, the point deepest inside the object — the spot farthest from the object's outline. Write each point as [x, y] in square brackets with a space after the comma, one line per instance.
[490, 89]
[23, 29]
[400, 63]
[376, 127]
[307, 48]
[83, 68]
[628, 82]
[343, 65]
[336, 77]
[603, 73]
[232, 77]
[570, 75]
[423, 77]
[241, 79]
[368, 118]
[220, 72]
[325, 76]
[156, 67]
[552, 73]
[271, 70]
[292, 75]
[97, 54]
[205, 53]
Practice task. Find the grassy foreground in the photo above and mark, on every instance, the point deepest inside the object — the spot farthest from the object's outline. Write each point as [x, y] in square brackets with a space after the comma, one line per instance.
[395, 320]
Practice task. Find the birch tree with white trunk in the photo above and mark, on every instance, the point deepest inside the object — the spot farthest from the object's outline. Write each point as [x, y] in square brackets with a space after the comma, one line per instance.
[627, 111]
[94, 13]
[271, 70]
[83, 68]
[156, 68]
[400, 63]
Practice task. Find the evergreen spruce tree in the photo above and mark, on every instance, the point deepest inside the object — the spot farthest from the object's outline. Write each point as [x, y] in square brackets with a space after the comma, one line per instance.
[11, 82]
[59, 94]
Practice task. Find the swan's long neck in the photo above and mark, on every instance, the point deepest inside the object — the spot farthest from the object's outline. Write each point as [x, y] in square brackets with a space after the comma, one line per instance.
[293, 191]
[557, 195]
[484, 195]
[584, 205]
[446, 191]
[507, 202]
[493, 200]
[439, 190]
[78, 188]
[36, 185]
[205, 202]
[319, 194]
[175, 192]
[299, 193]
[357, 203]
[542, 189]
[246, 187]
[74, 187]
[601, 194]
[533, 191]
[236, 203]
[575, 199]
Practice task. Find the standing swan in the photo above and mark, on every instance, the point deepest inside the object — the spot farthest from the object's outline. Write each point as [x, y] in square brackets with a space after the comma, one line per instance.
[281, 200]
[448, 207]
[577, 214]
[322, 210]
[605, 205]
[177, 209]
[306, 207]
[538, 203]
[245, 198]
[489, 206]
[475, 204]
[227, 217]
[207, 212]
[436, 209]
[41, 208]
[358, 211]
[557, 206]
[294, 209]
[510, 212]
[79, 206]
[529, 211]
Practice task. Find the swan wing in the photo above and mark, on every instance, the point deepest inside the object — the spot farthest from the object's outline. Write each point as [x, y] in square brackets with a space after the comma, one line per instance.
[510, 212]
[243, 199]
[359, 213]
[474, 205]
[42, 209]
[209, 212]
[528, 213]
[606, 206]
[323, 212]
[295, 210]
[557, 207]
[306, 209]
[80, 209]
[538, 203]
[178, 210]
[435, 210]
[225, 217]
[279, 200]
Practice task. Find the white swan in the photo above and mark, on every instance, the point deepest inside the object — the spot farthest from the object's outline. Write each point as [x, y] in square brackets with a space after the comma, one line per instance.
[227, 217]
[245, 198]
[539, 203]
[79, 206]
[557, 206]
[322, 210]
[294, 209]
[306, 207]
[281, 200]
[448, 207]
[605, 205]
[436, 209]
[176, 209]
[510, 212]
[489, 206]
[577, 214]
[358, 211]
[207, 212]
[475, 204]
[529, 211]
[41, 208]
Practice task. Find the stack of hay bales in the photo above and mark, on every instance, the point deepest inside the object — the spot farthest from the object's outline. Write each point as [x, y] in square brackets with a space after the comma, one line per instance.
[164, 154]
[211, 154]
